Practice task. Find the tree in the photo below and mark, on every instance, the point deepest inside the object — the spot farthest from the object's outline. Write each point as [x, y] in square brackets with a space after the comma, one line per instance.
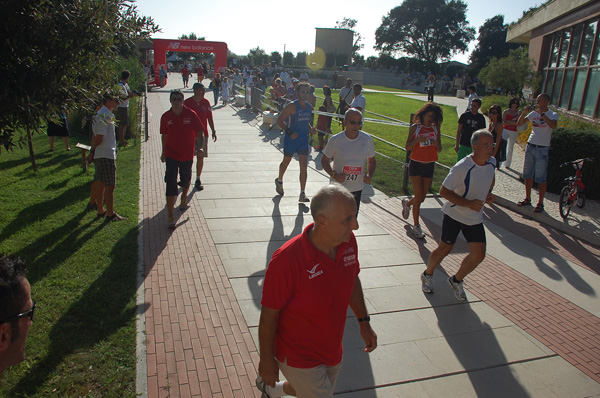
[257, 56]
[288, 58]
[276, 57]
[491, 43]
[301, 58]
[511, 73]
[429, 30]
[64, 58]
[349, 23]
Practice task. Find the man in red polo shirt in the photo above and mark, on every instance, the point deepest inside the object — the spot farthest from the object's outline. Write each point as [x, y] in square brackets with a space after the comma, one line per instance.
[179, 128]
[202, 107]
[308, 286]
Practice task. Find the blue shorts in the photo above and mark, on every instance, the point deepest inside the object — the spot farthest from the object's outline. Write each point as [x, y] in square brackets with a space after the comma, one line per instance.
[536, 163]
[299, 145]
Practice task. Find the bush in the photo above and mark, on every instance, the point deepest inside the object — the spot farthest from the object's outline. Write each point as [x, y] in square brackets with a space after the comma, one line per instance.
[571, 144]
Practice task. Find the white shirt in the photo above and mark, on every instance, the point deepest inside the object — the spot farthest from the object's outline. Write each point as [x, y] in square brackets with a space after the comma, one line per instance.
[359, 102]
[346, 93]
[542, 133]
[471, 181]
[349, 157]
[104, 125]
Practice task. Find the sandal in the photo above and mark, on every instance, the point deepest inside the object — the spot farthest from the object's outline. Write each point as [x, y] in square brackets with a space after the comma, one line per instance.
[539, 208]
[524, 202]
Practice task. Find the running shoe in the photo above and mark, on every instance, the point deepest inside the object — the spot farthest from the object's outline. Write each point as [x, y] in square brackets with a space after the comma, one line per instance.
[172, 224]
[405, 208]
[262, 387]
[303, 198]
[279, 186]
[426, 283]
[198, 185]
[418, 232]
[457, 288]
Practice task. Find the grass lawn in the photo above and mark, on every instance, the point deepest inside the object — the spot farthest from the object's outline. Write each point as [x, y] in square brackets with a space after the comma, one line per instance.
[389, 174]
[82, 272]
[395, 90]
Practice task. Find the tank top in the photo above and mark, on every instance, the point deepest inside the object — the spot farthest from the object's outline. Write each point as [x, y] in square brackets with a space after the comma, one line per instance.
[511, 127]
[425, 152]
[299, 122]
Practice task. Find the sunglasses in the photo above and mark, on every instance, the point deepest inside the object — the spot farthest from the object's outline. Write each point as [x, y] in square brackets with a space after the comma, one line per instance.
[28, 314]
[352, 122]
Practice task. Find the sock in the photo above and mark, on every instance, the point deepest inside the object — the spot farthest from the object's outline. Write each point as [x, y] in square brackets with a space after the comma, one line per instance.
[277, 391]
[455, 280]
[425, 273]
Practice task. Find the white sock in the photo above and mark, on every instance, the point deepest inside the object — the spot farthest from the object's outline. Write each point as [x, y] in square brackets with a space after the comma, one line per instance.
[277, 391]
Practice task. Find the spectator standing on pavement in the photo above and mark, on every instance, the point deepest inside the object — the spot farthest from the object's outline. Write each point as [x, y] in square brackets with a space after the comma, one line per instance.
[467, 187]
[185, 75]
[543, 121]
[278, 94]
[200, 73]
[346, 96]
[322, 129]
[495, 127]
[225, 90]
[295, 121]
[468, 123]
[359, 102]
[430, 87]
[350, 150]
[16, 311]
[199, 104]
[472, 96]
[162, 74]
[104, 152]
[216, 87]
[304, 76]
[299, 334]
[124, 93]
[179, 129]
[510, 133]
[424, 142]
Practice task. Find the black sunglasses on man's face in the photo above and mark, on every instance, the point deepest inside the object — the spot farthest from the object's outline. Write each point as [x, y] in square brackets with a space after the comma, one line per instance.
[29, 314]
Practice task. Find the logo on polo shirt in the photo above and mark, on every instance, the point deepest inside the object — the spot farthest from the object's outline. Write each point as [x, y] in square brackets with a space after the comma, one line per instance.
[313, 272]
[186, 120]
[349, 260]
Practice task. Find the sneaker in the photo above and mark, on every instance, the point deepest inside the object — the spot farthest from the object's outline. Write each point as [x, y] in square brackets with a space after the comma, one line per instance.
[172, 224]
[279, 186]
[418, 232]
[198, 185]
[262, 387]
[303, 198]
[458, 290]
[426, 283]
[405, 208]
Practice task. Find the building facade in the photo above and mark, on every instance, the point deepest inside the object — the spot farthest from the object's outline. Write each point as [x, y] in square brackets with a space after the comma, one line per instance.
[563, 41]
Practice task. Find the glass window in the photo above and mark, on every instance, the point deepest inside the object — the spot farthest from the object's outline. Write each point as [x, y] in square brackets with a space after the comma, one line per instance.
[554, 50]
[566, 91]
[556, 88]
[588, 42]
[562, 56]
[574, 49]
[591, 96]
[578, 89]
[548, 82]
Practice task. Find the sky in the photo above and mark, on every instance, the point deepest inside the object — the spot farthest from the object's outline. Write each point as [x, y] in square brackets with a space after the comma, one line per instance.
[273, 26]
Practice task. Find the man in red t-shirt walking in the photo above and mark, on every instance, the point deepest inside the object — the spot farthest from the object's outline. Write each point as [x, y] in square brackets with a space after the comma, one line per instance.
[202, 107]
[299, 334]
[179, 128]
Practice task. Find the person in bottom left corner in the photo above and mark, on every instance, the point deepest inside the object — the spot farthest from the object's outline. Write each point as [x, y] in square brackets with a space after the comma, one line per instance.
[16, 311]
[179, 128]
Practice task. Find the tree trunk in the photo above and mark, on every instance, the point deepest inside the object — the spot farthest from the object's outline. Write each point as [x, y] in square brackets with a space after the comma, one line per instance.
[30, 144]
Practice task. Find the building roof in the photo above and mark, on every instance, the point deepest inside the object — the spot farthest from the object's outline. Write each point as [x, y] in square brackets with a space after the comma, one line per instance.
[521, 31]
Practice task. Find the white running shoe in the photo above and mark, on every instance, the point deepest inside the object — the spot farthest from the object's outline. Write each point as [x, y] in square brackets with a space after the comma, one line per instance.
[458, 290]
[303, 198]
[279, 186]
[418, 232]
[426, 283]
[262, 387]
[405, 208]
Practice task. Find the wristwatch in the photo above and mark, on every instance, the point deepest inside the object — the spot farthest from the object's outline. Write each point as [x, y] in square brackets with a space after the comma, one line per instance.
[365, 319]
[332, 174]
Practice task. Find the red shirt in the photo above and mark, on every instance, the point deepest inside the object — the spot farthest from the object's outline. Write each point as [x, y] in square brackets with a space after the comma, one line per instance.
[322, 123]
[202, 109]
[181, 132]
[312, 293]
[200, 71]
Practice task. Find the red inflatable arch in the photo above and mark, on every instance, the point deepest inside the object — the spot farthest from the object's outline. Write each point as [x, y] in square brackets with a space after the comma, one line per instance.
[161, 46]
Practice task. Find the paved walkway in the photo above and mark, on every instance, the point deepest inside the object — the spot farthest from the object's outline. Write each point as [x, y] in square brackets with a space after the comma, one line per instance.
[531, 327]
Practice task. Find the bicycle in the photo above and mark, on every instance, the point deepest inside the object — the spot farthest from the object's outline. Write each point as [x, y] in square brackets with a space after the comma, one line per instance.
[574, 191]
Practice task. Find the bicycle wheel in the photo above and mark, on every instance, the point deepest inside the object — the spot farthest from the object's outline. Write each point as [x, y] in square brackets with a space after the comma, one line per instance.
[580, 198]
[564, 204]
